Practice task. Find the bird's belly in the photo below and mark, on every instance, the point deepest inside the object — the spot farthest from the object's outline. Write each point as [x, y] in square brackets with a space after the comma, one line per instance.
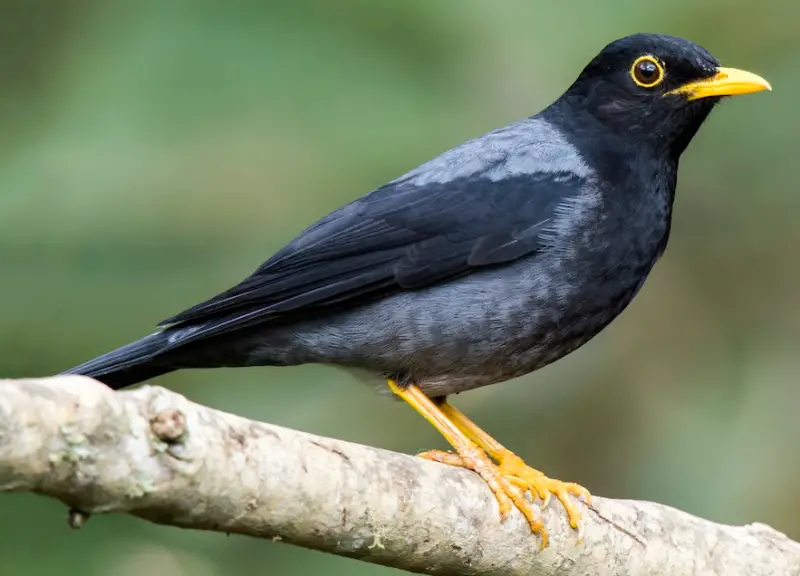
[476, 331]
[529, 347]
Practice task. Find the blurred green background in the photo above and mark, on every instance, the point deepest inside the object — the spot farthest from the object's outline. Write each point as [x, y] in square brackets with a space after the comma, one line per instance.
[153, 153]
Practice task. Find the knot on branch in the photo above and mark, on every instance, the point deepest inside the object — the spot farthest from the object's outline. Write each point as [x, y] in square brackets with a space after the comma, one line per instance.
[169, 426]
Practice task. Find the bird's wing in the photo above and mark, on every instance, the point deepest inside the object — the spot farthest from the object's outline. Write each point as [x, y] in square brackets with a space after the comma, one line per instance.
[411, 233]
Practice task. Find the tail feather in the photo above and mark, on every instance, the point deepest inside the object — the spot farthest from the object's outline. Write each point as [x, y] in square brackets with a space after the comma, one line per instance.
[127, 365]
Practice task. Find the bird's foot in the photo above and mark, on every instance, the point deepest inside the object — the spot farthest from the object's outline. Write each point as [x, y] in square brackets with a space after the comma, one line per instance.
[513, 471]
[534, 481]
[505, 490]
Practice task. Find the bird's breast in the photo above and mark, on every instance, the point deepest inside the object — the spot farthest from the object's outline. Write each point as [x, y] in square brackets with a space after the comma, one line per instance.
[496, 323]
[534, 312]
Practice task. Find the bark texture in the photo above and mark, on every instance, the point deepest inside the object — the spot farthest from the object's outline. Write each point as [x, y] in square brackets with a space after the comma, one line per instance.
[154, 454]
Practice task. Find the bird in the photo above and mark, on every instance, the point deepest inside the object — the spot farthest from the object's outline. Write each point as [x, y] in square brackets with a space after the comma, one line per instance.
[490, 261]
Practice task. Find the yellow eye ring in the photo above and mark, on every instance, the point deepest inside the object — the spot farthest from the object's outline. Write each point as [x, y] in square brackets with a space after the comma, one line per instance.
[647, 72]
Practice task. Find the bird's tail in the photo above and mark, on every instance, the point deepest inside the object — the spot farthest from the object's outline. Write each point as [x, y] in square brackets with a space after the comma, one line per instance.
[128, 365]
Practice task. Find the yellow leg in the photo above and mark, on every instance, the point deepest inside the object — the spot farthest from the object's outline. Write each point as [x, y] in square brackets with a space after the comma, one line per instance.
[470, 456]
[511, 466]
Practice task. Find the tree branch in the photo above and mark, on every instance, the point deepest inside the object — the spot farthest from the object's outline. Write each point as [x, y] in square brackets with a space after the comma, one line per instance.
[154, 454]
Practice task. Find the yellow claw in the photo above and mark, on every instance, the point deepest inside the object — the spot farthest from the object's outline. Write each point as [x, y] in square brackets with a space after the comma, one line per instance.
[506, 475]
[527, 478]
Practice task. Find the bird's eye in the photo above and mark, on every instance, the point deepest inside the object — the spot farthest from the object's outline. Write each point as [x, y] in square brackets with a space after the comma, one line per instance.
[647, 72]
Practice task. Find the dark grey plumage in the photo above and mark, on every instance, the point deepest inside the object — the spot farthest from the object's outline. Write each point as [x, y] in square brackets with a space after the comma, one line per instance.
[564, 273]
[492, 260]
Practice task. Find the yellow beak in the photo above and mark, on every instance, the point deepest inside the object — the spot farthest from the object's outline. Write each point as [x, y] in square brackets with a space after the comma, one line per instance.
[726, 82]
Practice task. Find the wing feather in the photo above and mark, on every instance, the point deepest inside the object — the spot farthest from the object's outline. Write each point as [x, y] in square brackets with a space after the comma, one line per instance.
[399, 237]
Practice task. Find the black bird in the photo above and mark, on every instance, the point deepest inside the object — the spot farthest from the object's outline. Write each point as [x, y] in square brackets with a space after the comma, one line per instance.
[490, 261]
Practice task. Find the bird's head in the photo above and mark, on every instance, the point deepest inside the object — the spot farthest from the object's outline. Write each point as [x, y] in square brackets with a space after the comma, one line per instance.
[655, 90]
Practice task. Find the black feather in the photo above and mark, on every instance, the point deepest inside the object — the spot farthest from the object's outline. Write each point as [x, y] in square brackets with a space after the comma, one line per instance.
[399, 237]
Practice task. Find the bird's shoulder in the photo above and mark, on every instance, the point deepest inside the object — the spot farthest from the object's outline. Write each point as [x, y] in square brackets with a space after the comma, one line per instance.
[529, 146]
